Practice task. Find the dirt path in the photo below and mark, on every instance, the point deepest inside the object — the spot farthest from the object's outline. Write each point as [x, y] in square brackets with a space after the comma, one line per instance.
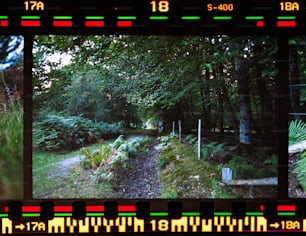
[141, 179]
[62, 167]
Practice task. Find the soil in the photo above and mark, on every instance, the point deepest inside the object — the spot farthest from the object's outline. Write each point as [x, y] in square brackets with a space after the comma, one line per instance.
[141, 179]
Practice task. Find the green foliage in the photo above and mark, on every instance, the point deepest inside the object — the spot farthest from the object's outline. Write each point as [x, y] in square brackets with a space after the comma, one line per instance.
[301, 170]
[55, 133]
[270, 168]
[191, 139]
[169, 193]
[240, 167]
[93, 159]
[297, 131]
[217, 190]
[11, 149]
[166, 138]
[209, 149]
[113, 157]
[163, 161]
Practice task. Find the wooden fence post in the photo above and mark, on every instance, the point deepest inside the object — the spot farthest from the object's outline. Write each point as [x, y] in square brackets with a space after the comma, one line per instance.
[180, 131]
[199, 139]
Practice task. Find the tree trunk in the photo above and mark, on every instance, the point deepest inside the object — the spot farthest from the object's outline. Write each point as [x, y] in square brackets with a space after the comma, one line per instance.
[295, 79]
[229, 106]
[244, 100]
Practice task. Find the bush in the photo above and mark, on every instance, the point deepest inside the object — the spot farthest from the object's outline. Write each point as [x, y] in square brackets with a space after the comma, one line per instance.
[55, 133]
[114, 156]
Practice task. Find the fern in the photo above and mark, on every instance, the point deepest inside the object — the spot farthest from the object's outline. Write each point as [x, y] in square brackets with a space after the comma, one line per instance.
[297, 131]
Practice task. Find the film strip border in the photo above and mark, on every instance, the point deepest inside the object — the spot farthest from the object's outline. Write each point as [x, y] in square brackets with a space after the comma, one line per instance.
[110, 217]
[188, 16]
[97, 21]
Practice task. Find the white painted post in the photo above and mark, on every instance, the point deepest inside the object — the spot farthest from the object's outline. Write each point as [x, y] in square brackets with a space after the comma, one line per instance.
[173, 127]
[180, 131]
[199, 139]
[227, 175]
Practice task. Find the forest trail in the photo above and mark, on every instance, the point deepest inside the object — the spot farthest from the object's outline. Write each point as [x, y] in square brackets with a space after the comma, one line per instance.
[62, 167]
[141, 179]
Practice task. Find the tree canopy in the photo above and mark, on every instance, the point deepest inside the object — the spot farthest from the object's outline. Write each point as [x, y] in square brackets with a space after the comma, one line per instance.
[226, 81]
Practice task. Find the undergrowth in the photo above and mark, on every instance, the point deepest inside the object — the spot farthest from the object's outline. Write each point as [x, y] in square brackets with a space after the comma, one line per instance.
[297, 133]
[11, 150]
[183, 175]
[56, 133]
[113, 157]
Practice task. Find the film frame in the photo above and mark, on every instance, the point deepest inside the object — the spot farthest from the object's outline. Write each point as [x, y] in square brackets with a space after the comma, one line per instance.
[269, 211]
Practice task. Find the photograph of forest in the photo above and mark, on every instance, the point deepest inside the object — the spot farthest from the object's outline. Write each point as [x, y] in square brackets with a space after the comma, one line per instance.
[11, 117]
[142, 117]
[297, 118]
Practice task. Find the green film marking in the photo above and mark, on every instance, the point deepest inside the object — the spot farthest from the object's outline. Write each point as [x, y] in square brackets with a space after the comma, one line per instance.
[286, 18]
[254, 213]
[3, 17]
[94, 17]
[223, 214]
[126, 17]
[31, 215]
[62, 17]
[159, 214]
[254, 17]
[30, 17]
[3, 215]
[127, 214]
[95, 214]
[222, 17]
[191, 18]
[190, 214]
[62, 214]
[158, 17]
[286, 213]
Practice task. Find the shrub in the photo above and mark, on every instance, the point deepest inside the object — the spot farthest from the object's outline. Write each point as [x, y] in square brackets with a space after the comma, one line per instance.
[92, 159]
[56, 133]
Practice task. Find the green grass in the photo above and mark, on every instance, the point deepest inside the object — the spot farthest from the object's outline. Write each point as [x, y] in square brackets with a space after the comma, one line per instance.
[77, 183]
[11, 151]
[184, 176]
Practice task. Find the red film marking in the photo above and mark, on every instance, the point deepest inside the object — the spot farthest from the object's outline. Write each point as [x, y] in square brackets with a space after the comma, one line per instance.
[260, 23]
[31, 209]
[26, 209]
[95, 23]
[126, 208]
[62, 208]
[62, 23]
[124, 23]
[94, 208]
[286, 23]
[30, 23]
[3, 23]
[286, 208]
